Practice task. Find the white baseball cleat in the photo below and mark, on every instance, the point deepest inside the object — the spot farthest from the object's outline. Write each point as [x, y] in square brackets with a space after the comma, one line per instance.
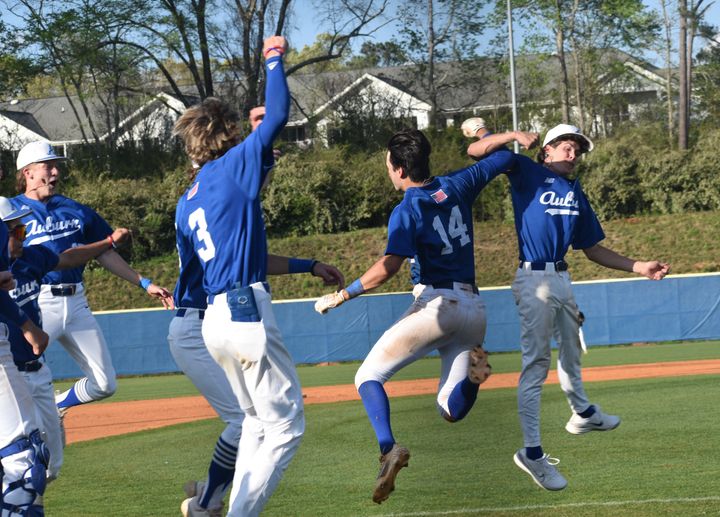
[390, 465]
[194, 488]
[542, 471]
[598, 421]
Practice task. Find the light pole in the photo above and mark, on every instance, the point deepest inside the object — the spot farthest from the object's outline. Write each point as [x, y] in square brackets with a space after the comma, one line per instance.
[512, 73]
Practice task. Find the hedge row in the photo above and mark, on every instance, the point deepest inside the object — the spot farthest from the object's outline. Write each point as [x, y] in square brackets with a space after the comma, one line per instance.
[338, 189]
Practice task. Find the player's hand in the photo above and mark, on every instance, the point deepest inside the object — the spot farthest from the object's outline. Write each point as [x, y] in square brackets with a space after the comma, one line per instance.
[37, 338]
[274, 42]
[329, 301]
[121, 236]
[256, 116]
[161, 294]
[527, 139]
[7, 281]
[652, 269]
[330, 274]
[277, 153]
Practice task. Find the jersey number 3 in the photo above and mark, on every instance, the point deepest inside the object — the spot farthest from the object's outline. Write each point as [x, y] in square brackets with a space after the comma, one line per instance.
[456, 229]
[198, 224]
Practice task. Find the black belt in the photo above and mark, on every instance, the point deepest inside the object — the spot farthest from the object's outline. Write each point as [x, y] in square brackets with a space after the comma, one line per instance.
[67, 290]
[560, 265]
[451, 285]
[30, 366]
[181, 313]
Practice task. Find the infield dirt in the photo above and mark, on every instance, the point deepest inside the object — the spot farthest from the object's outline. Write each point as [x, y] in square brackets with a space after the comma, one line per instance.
[92, 421]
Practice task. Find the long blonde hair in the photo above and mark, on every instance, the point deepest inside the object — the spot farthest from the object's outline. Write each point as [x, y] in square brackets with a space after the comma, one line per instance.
[208, 130]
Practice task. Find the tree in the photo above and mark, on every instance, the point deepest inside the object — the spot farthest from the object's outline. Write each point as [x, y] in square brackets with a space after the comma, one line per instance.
[587, 32]
[380, 54]
[15, 70]
[434, 31]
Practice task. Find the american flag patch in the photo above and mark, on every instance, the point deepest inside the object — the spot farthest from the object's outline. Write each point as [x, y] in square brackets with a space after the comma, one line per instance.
[439, 196]
[193, 190]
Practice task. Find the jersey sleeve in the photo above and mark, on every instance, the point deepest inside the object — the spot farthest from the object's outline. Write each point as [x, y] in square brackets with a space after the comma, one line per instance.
[8, 308]
[250, 161]
[588, 231]
[96, 228]
[477, 176]
[36, 262]
[401, 233]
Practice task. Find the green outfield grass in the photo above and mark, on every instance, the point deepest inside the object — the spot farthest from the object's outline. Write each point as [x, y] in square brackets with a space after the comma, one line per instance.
[661, 461]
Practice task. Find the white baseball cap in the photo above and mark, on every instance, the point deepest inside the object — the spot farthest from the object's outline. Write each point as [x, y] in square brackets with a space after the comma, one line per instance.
[8, 213]
[36, 152]
[563, 130]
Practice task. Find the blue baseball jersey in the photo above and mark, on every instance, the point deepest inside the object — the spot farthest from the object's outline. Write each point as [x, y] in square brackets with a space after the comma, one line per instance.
[189, 291]
[59, 224]
[551, 213]
[220, 215]
[10, 313]
[433, 224]
[29, 271]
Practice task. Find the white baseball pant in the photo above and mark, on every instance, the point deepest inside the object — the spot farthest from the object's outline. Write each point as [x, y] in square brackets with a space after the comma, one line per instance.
[451, 321]
[43, 395]
[68, 319]
[17, 420]
[263, 377]
[547, 309]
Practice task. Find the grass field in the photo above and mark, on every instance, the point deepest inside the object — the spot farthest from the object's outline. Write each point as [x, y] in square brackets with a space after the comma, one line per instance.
[661, 461]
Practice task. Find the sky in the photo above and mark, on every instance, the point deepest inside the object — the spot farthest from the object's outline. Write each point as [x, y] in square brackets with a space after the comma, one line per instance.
[306, 18]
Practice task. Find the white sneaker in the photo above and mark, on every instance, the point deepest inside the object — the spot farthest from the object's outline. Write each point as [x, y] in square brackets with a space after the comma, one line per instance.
[599, 421]
[542, 471]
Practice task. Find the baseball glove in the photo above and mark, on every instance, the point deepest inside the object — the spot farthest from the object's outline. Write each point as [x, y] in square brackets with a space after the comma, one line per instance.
[471, 126]
[329, 301]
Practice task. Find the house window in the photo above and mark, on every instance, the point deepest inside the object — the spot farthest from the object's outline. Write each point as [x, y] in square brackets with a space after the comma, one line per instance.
[293, 134]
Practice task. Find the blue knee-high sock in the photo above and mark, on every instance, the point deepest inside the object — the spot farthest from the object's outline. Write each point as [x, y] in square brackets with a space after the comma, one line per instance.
[377, 407]
[220, 474]
[462, 398]
[70, 397]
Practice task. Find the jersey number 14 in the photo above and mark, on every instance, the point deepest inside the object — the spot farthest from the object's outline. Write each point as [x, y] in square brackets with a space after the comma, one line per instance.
[456, 230]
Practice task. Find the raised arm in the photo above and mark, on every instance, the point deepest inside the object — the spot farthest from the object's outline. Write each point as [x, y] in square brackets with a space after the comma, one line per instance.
[653, 269]
[491, 142]
[277, 95]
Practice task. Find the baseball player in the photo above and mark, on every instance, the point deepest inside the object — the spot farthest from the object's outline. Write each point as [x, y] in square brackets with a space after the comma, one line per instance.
[29, 266]
[552, 214]
[220, 218]
[192, 356]
[23, 455]
[59, 223]
[433, 227]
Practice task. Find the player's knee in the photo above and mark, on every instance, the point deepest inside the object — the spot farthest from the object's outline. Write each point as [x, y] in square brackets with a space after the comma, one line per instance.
[106, 389]
[231, 433]
[365, 374]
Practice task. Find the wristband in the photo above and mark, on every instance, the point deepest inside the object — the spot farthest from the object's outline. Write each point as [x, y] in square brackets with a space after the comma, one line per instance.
[112, 242]
[296, 265]
[355, 289]
[279, 50]
[144, 283]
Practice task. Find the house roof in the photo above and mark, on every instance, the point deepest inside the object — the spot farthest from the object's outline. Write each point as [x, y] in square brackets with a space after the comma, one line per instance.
[483, 84]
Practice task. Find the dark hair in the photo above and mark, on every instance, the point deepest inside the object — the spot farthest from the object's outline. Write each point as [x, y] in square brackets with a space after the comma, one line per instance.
[410, 149]
[541, 155]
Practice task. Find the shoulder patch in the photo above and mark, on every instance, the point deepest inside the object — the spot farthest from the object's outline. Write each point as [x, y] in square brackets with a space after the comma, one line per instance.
[439, 196]
[191, 193]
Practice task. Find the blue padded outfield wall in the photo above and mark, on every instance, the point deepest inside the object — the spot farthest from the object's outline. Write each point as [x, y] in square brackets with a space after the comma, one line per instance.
[682, 307]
